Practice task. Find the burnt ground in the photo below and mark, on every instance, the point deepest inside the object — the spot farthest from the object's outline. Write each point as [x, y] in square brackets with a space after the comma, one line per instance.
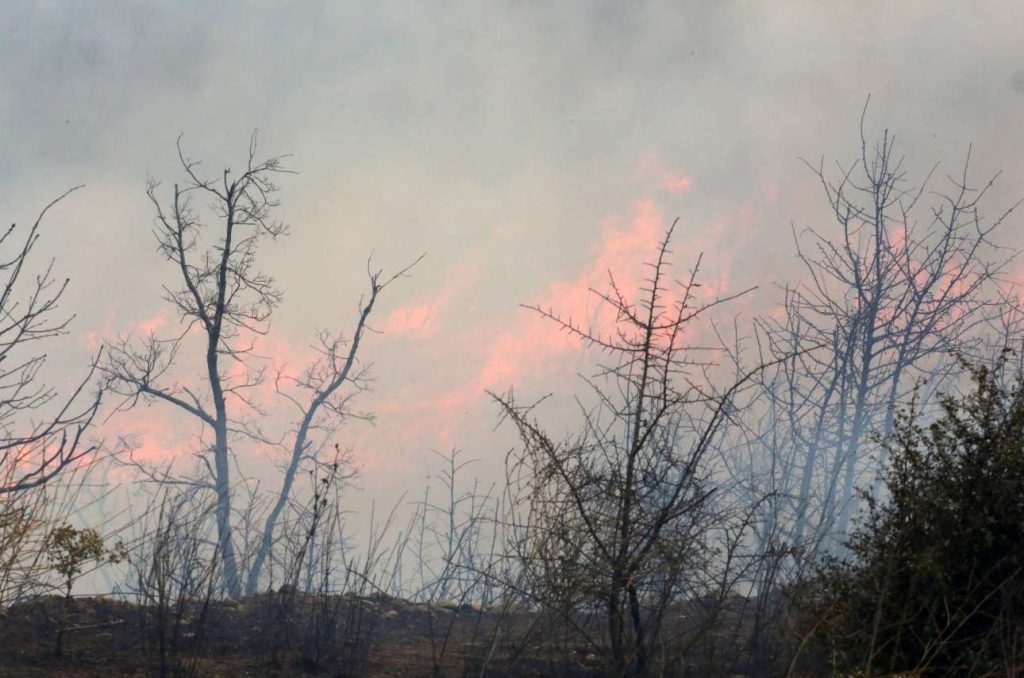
[281, 635]
[295, 634]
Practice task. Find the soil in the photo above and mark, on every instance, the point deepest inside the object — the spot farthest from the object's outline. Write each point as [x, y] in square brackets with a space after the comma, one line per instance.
[280, 634]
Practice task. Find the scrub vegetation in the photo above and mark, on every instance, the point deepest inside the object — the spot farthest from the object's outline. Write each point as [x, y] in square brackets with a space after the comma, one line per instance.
[832, 487]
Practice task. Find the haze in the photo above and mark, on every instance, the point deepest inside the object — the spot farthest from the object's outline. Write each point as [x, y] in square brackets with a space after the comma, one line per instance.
[525, 147]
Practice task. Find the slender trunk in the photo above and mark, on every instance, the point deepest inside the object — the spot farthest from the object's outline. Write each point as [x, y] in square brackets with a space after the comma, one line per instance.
[867, 360]
[223, 514]
[804, 497]
[615, 627]
[636, 617]
[299, 447]
[849, 483]
[220, 451]
[63, 622]
[267, 539]
[851, 455]
[890, 412]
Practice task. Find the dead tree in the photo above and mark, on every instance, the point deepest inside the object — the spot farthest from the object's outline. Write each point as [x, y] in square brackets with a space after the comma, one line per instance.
[327, 406]
[41, 432]
[903, 279]
[224, 296]
[619, 511]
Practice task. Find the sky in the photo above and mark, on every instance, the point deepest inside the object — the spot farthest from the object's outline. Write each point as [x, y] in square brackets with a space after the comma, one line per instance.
[525, 147]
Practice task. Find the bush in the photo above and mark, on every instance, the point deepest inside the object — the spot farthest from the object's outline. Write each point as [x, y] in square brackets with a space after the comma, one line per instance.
[933, 581]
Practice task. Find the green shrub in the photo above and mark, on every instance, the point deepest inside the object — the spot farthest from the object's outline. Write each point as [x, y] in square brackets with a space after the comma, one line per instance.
[932, 583]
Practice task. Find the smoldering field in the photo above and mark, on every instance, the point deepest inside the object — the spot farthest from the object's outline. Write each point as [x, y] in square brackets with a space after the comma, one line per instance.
[489, 353]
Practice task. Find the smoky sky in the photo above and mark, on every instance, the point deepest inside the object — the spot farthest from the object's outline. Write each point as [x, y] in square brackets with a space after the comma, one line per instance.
[520, 145]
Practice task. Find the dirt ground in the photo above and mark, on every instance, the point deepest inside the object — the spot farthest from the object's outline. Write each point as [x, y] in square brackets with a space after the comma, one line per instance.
[278, 635]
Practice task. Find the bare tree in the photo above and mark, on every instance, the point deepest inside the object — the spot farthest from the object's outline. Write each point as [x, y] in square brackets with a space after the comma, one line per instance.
[327, 405]
[892, 290]
[620, 510]
[41, 432]
[222, 293]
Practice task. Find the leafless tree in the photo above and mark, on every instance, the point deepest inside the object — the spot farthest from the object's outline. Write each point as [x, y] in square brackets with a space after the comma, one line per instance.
[621, 509]
[222, 294]
[327, 404]
[903, 279]
[41, 431]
